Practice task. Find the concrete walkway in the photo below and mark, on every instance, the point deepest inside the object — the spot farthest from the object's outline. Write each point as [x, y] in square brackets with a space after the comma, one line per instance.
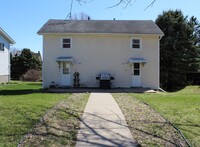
[103, 124]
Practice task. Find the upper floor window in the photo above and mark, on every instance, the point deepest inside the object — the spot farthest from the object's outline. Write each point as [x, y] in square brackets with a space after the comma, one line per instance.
[1, 47]
[136, 43]
[66, 43]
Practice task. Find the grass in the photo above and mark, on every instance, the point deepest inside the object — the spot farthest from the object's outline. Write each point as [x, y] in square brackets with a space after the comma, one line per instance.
[147, 126]
[182, 108]
[21, 106]
[60, 125]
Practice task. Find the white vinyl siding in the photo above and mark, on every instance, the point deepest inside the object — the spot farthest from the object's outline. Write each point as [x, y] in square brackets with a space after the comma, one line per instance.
[5, 59]
[96, 53]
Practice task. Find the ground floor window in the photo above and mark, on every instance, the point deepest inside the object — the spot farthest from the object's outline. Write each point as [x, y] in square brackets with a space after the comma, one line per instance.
[136, 69]
[65, 68]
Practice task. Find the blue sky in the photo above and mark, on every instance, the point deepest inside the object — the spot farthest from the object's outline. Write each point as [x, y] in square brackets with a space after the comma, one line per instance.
[21, 19]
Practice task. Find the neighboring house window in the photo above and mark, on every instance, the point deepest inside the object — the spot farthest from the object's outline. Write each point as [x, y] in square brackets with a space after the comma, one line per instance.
[1, 47]
[136, 43]
[66, 42]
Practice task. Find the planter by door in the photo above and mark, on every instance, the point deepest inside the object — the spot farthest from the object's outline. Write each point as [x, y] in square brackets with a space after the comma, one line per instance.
[136, 74]
[65, 73]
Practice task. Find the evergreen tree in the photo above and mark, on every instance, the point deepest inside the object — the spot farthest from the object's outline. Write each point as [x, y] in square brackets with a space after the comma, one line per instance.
[20, 64]
[178, 53]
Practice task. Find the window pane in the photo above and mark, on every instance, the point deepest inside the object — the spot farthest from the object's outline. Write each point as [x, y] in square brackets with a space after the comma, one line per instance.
[136, 65]
[135, 46]
[65, 70]
[64, 64]
[136, 41]
[66, 46]
[66, 43]
[136, 72]
[66, 40]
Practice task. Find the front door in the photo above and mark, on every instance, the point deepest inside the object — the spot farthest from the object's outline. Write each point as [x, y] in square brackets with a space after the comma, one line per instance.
[136, 75]
[65, 74]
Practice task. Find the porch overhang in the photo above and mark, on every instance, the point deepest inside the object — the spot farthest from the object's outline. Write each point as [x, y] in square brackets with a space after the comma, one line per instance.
[136, 60]
[65, 58]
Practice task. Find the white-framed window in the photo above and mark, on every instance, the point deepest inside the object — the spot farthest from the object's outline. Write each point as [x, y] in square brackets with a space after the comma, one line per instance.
[136, 43]
[1, 47]
[136, 69]
[65, 68]
[66, 42]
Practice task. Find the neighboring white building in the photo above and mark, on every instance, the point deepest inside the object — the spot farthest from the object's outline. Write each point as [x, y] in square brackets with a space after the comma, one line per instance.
[5, 42]
[127, 49]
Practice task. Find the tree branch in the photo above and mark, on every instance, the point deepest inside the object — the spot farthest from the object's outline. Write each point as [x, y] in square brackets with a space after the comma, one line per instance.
[127, 2]
[150, 5]
[116, 4]
[84, 1]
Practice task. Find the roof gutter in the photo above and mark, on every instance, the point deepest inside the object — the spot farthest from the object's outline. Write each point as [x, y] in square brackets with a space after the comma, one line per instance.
[161, 36]
[7, 36]
[131, 34]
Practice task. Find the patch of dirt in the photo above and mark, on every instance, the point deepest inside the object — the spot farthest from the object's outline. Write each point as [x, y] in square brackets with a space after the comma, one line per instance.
[147, 126]
[59, 126]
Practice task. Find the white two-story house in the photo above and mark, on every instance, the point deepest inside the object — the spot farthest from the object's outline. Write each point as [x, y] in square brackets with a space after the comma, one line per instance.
[5, 42]
[127, 49]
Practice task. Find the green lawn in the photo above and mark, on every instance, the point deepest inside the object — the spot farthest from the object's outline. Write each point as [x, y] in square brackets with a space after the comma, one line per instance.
[182, 108]
[21, 106]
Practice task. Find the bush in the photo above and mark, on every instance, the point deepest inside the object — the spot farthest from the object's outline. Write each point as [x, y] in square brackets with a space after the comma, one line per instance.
[31, 75]
[194, 78]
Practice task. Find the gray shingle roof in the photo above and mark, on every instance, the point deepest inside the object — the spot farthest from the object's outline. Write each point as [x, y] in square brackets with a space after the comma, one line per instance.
[101, 26]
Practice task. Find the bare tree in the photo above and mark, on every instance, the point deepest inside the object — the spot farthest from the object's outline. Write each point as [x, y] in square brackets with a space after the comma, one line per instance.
[71, 6]
[120, 2]
[81, 16]
[128, 2]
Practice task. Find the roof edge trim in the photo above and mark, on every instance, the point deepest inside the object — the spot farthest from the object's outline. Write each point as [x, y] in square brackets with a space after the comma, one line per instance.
[7, 36]
[98, 34]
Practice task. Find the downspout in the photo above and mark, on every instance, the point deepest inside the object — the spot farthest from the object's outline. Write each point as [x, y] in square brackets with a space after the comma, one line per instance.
[159, 88]
[43, 46]
[9, 63]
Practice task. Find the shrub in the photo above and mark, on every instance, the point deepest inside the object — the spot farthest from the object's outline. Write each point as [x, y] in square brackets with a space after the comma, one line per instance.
[31, 75]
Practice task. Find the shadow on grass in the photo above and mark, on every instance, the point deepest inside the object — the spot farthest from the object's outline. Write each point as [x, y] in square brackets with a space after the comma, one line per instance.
[65, 130]
[36, 84]
[19, 128]
[184, 128]
[46, 132]
[21, 92]
[97, 90]
[176, 89]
